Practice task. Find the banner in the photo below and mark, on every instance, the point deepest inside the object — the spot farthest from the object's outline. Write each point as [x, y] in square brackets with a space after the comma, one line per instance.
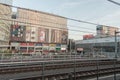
[18, 32]
[41, 35]
[64, 36]
[28, 33]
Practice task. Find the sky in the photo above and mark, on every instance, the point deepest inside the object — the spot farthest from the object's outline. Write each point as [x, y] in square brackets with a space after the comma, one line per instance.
[96, 11]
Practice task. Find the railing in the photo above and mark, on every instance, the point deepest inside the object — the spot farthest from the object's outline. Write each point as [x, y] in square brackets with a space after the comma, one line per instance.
[4, 57]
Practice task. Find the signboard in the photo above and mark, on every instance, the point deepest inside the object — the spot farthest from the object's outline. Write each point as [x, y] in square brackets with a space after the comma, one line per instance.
[52, 45]
[15, 44]
[38, 44]
[45, 44]
[30, 44]
[63, 48]
[52, 48]
[88, 36]
[58, 45]
[79, 49]
[23, 49]
[23, 44]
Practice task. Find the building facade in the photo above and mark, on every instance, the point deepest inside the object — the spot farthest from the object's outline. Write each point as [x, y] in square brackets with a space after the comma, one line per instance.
[100, 46]
[5, 12]
[39, 31]
[105, 31]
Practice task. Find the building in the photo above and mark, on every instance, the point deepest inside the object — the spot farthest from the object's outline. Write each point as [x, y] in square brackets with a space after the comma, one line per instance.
[104, 31]
[103, 44]
[99, 46]
[5, 12]
[37, 31]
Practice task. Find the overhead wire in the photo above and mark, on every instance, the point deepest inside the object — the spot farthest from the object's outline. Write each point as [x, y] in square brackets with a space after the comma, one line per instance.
[81, 21]
[56, 15]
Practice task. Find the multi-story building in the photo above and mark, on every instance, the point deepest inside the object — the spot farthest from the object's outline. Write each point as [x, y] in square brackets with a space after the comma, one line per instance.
[39, 31]
[5, 12]
[104, 31]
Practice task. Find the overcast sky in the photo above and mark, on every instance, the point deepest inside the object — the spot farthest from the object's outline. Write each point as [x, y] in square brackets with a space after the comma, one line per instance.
[97, 11]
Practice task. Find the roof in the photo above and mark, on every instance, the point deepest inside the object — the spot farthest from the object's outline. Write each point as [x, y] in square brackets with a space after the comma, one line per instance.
[98, 40]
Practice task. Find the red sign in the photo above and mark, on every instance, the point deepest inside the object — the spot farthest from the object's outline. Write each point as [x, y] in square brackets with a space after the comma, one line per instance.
[23, 44]
[30, 44]
[89, 36]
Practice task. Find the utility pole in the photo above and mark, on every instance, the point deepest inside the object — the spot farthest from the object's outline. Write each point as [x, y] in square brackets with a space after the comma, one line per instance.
[114, 2]
[115, 54]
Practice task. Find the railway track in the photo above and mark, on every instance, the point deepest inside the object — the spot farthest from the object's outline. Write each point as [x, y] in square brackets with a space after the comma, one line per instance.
[57, 65]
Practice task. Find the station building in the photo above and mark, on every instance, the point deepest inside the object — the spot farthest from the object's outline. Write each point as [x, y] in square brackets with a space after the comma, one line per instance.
[103, 44]
[99, 46]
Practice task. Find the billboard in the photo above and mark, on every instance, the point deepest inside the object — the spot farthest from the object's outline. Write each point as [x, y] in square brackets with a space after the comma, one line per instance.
[17, 32]
[64, 37]
[43, 35]
[88, 36]
[28, 33]
[55, 36]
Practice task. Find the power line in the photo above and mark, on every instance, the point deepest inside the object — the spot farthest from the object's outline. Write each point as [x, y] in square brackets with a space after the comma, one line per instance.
[114, 2]
[52, 22]
[60, 16]
[56, 15]
[45, 25]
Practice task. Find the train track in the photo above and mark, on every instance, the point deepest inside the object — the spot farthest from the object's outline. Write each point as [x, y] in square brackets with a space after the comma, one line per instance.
[46, 66]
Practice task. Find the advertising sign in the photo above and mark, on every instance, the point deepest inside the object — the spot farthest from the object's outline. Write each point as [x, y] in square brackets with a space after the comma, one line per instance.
[14, 44]
[88, 36]
[18, 32]
[23, 44]
[53, 35]
[64, 37]
[38, 44]
[57, 36]
[41, 35]
[58, 45]
[30, 44]
[28, 33]
[52, 45]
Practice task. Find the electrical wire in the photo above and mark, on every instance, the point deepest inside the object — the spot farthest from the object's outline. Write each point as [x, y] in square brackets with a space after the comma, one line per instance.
[45, 25]
[56, 15]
